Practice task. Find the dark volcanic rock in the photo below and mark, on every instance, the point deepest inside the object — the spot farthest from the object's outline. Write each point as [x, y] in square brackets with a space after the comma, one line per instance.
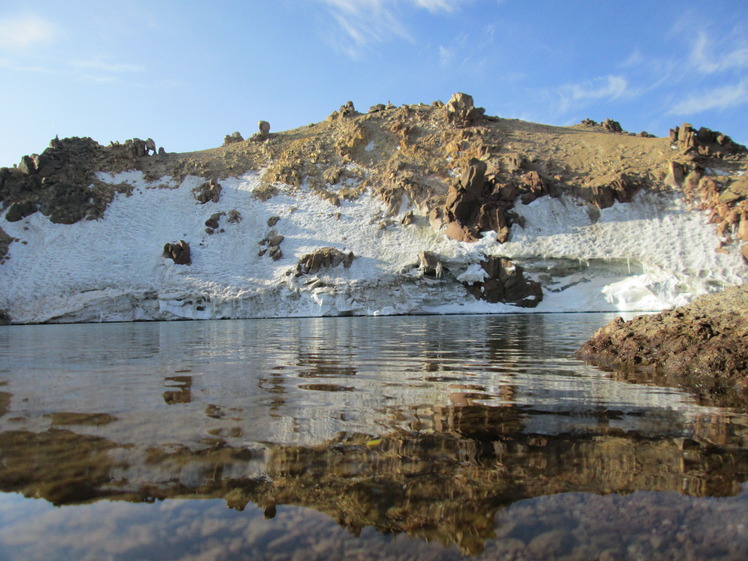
[701, 347]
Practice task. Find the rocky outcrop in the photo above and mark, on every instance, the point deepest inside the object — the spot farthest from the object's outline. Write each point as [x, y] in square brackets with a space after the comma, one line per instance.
[272, 244]
[469, 209]
[461, 110]
[505, 282]
[232, 138]
[178, 252]
[704, 142]
[324, 258]
[700, 347]
[429, 265]
[208, 191]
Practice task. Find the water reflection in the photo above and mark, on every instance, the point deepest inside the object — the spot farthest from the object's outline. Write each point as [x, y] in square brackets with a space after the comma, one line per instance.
[455, 430]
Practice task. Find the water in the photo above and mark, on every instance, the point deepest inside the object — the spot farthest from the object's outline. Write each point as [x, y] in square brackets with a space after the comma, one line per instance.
[355, 438]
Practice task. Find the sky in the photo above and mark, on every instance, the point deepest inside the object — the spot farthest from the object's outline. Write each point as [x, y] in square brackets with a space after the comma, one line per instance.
[188, 72]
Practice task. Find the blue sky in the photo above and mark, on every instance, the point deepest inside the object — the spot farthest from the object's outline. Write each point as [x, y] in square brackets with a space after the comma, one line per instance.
[186, 73]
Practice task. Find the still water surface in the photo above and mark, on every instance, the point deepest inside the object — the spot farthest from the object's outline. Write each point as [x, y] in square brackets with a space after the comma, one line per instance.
[355, 438]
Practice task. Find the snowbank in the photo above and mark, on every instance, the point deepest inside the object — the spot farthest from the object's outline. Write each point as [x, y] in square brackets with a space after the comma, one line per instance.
[647, 255]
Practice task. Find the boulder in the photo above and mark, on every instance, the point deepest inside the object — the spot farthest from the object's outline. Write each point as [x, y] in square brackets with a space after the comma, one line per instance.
[505, 282]
[430, 265]
[234, 137]
[611, 126]
[324, 258]
[234, 216]
[263, 127]
[18, 211]
[675, 175]
[208, 191]
[179, 252]
[461, 111]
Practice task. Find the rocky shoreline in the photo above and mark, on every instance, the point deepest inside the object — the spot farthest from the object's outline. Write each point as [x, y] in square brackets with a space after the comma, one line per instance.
[701, 347]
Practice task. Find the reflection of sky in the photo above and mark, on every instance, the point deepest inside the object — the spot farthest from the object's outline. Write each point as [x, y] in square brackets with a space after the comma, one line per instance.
[208, 531]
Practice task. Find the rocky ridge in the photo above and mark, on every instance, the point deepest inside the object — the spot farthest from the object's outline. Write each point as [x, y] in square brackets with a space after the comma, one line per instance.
[445, 166]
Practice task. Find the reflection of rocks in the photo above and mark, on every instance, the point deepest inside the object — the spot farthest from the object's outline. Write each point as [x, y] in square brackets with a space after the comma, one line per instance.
[182, 392]
[447, 485]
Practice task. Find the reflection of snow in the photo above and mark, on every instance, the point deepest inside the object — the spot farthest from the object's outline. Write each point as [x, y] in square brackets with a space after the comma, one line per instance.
[112, 269]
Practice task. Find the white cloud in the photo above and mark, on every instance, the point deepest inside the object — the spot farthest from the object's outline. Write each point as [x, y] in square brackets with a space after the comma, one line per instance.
[716, 98]
[607, 88]
[25, 31]
[364, 22]
[445, 56]
[703, 58]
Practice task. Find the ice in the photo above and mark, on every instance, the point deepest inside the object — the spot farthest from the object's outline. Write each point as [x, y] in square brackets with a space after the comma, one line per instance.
[650, 254]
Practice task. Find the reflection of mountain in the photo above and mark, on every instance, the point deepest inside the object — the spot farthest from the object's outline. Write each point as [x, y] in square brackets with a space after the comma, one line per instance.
[447, 484]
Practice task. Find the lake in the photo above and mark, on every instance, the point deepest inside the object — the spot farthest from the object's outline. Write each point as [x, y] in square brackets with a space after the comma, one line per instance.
[413, 438]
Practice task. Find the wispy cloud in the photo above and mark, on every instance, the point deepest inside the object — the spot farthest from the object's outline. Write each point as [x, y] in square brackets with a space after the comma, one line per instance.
[109, 67]
[366, 22]
[730, 56]
[440, 5]
[716, 98]
[26, 31]
[600, 89]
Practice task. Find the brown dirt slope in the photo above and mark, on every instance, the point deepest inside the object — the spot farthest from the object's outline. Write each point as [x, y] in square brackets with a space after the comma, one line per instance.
[702, 347]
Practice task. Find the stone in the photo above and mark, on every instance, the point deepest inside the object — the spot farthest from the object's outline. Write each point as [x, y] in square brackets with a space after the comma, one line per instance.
[178, 252]
[213, 221]
[611, 126]
[234, 216]
[273, 220]
[18, 211]
[27, 165]
[324, 258]
[675, 175]
[275, 252]
[275, 240]
[743, 228]
[505, 282]
[208, 191]
[430, 265]
[461, 111]
[234, 137]
[263, 127]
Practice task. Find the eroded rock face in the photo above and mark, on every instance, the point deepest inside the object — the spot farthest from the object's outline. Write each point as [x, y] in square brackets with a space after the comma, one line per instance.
[704, 142]
[178, 252]
[505, 282]
[324, 258]
[471, 207]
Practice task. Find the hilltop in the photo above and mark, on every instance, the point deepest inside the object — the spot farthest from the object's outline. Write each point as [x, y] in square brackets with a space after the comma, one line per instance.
[414, 209]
